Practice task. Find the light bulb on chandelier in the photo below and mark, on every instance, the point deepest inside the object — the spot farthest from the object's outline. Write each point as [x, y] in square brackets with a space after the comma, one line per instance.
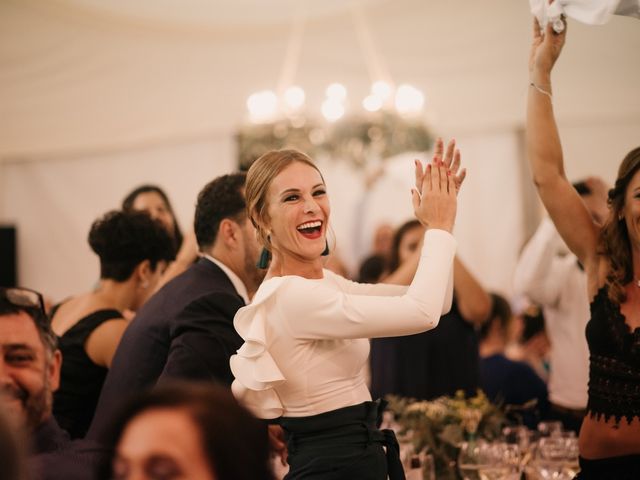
[379, 123]
[294, 98]
[409, 100]
[262, 106]
[265, 106]
[332, 109]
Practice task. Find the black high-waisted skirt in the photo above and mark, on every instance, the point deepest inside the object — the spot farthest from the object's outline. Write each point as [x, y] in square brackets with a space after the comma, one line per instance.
[625, 467]
[342, 444]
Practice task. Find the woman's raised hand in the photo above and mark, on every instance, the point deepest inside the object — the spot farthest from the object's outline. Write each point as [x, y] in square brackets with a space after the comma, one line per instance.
[451, 161]
[545, 50]
[434, 198]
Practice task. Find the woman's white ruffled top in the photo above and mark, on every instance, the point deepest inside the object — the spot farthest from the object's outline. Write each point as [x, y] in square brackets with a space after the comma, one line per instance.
[255, 370]
[306, 340]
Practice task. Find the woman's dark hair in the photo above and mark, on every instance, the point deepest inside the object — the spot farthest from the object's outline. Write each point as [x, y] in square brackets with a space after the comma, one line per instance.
[129, 200]
[371, 269]
[235, 444]
[615, 243]
[124, 239]
[533, 322]
[394, 260]
[500, 312]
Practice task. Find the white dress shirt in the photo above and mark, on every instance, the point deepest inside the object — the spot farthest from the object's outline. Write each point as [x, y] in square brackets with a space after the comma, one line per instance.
[559, 285]
[306, 343]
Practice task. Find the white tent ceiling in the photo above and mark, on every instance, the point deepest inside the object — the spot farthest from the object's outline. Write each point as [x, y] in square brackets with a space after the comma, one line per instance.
[84, 76]
[210, 15]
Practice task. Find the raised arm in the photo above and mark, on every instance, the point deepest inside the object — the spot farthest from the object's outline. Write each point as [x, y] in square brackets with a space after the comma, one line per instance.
[539, 273]
[187, 254]
[473, 300]
[566, 209]
[316, 311]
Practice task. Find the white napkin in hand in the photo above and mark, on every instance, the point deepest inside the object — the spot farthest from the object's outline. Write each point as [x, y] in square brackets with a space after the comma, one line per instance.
[591, 12]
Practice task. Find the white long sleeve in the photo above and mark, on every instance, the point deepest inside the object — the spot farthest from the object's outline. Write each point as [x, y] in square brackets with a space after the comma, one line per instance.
[387, 289]
[540, 273]
[316, 310]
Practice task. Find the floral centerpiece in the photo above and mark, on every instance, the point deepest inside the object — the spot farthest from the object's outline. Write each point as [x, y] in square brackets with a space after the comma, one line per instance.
[443, 424]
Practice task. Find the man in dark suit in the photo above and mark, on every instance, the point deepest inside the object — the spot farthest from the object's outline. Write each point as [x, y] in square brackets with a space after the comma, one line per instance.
[186, 329]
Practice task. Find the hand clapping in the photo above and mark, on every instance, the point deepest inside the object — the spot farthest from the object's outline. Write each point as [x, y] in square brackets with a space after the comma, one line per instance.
[434, 198]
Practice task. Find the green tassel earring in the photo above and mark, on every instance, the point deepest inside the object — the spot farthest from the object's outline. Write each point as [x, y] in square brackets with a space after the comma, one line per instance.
[263, 261]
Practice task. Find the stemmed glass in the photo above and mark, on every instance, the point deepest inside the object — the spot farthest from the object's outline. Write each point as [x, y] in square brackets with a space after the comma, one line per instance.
[557, 457]
[483, 460]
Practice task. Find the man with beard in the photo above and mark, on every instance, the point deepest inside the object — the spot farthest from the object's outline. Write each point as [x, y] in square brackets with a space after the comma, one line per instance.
[29, 369]
[186, 329]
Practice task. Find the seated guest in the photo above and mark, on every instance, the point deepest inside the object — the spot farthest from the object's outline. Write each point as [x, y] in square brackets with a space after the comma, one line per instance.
[502, 379]
[134, 251]
[29, 369]
[183, 430]
[153, 200]
[186, 329]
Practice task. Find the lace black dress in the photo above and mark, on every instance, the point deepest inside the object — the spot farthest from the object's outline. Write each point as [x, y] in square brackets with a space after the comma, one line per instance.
[614, 381]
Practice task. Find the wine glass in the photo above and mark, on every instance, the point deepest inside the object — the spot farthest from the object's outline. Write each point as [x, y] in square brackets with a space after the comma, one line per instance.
[557, 457]
[489, 461]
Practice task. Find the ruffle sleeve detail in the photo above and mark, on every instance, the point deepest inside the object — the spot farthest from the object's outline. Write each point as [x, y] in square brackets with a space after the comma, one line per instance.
[254, 369]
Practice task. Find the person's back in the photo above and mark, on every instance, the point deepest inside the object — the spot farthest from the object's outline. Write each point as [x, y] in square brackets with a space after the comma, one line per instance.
[502, 379]
[81, 379]
[133, 251]
[511, 382]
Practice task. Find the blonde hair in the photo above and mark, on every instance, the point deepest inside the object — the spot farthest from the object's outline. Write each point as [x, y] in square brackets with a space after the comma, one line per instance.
[259, 178]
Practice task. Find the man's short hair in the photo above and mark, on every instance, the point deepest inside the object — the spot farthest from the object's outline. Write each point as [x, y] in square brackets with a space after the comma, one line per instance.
[219, 199]
[39, 318]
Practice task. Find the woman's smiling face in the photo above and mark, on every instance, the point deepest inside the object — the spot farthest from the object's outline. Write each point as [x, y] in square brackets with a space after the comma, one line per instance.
[298, 212]
[631, 209]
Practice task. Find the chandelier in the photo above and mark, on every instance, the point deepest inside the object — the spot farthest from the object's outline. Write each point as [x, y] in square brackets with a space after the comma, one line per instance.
[389, 122]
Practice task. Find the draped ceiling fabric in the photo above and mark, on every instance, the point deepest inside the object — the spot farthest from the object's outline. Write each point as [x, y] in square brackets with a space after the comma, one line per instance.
[96, 97]
[77, 75]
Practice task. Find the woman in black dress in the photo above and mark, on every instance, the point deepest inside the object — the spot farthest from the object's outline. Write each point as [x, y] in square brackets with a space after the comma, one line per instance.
[134, 251]
[610, 434]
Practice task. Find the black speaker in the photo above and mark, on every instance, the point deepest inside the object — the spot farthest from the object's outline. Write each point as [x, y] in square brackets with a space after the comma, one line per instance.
[8, 256]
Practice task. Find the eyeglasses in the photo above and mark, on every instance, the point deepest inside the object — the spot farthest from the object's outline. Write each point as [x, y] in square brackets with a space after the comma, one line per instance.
[24, 298]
